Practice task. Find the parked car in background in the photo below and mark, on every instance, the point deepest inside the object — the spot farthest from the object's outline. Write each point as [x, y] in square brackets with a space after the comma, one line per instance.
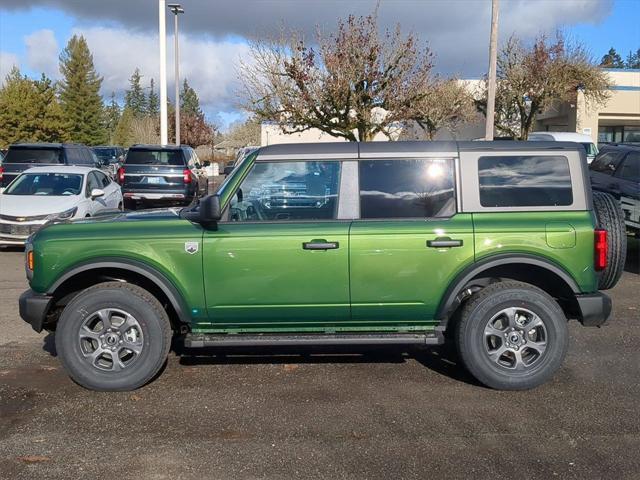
[42, 194]
[161, 175]
[581, 138]
[616, 171]
[23, 156]
[110, 157]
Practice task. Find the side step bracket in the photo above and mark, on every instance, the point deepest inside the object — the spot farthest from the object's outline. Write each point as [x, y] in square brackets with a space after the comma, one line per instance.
[200, 340]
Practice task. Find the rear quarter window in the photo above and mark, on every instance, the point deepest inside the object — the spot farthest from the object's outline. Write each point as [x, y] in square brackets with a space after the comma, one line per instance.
[524, 181]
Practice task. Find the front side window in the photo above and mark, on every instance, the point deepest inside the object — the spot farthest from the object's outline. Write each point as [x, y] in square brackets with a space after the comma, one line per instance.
[46, 184]
[93, 183]
[606, 163]
[524, 181]
[411, 188]
[287, 191]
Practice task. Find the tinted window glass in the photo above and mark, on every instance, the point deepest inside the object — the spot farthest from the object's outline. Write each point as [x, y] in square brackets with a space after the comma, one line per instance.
[288, 191]
[606, 163]
[93, 182]
[104, 180]
[411, 188]
[52, 184]
[155, 157]
[74, 156]
[630, 169]
[524, 181]
[33, 155]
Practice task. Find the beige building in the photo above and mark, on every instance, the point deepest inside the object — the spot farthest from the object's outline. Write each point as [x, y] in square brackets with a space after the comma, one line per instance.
[616, 121]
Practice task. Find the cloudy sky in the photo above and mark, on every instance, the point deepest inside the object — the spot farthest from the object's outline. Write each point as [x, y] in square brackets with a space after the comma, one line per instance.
[122, 34]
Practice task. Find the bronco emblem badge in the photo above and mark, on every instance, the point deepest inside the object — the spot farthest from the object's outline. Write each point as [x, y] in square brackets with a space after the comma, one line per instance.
[191, 247]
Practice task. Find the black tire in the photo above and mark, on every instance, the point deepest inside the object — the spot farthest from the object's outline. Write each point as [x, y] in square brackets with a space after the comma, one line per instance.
[473, 343]
[155, 337]
[610, 217]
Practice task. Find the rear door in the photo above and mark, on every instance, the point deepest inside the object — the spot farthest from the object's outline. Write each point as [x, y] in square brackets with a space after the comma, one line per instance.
[409, 242]
[280, 259]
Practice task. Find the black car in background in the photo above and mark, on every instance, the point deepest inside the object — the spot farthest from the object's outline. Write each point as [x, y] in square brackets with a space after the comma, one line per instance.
[23, 156]
[110, 157]
[161, 175]
[616, 170]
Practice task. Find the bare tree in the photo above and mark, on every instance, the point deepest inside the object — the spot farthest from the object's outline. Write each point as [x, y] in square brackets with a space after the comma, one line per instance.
[531, 78]
[244, 134]
[354, 85]
[447, 105]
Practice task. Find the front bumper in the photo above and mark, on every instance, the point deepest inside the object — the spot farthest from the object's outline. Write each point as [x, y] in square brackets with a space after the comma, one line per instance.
[34, 308]
[16, 233]
[594, 309]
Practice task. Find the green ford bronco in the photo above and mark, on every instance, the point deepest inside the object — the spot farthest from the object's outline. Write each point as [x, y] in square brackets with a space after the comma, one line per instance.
[493, 246]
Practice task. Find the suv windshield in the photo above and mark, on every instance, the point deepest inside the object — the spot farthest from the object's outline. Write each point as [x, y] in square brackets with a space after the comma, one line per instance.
[52, 184]
[34, 155]
[155, 157]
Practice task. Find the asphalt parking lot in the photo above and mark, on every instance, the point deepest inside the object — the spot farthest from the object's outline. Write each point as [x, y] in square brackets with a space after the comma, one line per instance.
[329, 414]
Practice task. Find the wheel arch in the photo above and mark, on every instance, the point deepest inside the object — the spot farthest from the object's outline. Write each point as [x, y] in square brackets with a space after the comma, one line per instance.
[557, 282]
[99, 270]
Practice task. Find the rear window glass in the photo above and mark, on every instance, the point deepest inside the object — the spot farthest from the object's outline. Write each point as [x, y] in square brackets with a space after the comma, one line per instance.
[524, 181]
[155, 157]
[412, 188]
[34, 155]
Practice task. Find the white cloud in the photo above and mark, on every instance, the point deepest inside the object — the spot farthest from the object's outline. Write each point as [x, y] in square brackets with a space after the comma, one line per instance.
[208, 65]
[7, 62]
[42, 52]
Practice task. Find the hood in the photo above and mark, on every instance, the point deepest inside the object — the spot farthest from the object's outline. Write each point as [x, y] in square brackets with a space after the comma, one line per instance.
[34, 205]
[134, 216]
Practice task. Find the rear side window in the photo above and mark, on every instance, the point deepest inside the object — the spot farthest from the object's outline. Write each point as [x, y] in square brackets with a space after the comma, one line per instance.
[524, 181]
[411, 188]
[631, 167]
[34, 155]
[155, 157]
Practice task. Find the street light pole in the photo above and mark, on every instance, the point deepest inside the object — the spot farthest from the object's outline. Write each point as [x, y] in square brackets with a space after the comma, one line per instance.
[177, 9]
[162, 33]
[493, 60]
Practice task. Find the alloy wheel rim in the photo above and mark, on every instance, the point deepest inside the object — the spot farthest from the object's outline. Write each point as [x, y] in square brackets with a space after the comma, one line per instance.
[515, 338]
[111, 339]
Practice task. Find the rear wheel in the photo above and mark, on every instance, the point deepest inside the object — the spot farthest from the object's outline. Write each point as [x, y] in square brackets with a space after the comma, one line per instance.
[610, 217]
[512, 336]
[113, 336]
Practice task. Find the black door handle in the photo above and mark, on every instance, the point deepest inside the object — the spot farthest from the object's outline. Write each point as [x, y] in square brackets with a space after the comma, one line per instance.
[444, 242]
[320, 245]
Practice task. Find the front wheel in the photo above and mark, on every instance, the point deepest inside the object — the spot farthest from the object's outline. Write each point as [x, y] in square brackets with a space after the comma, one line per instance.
[113, 336]
[512, 336]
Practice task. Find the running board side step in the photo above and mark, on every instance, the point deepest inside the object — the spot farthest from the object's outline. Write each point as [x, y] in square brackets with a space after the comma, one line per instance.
[198, 340]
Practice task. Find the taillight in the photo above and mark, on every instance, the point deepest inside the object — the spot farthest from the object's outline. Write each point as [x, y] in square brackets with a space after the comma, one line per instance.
[601, 248]
[121, 175]
[186, 175]
[1, 172]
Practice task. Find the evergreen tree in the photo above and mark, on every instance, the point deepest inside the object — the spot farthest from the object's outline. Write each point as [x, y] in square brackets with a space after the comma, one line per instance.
[612, 59]
[153, 101]
[633, 60]
[123, 134]
[189, 101]
[29, 110]
[112, 118]
[134, 98]
[80, 94]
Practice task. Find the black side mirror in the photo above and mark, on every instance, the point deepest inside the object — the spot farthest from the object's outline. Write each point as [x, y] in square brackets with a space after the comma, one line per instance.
[228, 169]
[206, 163]
[210, 209]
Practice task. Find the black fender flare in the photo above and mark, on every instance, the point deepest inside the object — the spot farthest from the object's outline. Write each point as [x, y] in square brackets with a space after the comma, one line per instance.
[447, 304]
[141, 268]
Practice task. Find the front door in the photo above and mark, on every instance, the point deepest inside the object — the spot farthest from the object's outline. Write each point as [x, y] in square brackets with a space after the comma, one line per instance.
[280, 259]
[409, 243]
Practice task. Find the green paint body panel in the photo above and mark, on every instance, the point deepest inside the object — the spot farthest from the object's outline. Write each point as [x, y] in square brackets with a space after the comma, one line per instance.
[256, 277]
[530, 232]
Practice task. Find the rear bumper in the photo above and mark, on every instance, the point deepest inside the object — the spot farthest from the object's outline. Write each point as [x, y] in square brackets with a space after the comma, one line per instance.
[34, 308]
[594, 309]
[157, 197]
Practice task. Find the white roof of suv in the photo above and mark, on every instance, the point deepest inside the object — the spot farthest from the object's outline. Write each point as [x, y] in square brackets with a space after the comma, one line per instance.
[561, 137]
